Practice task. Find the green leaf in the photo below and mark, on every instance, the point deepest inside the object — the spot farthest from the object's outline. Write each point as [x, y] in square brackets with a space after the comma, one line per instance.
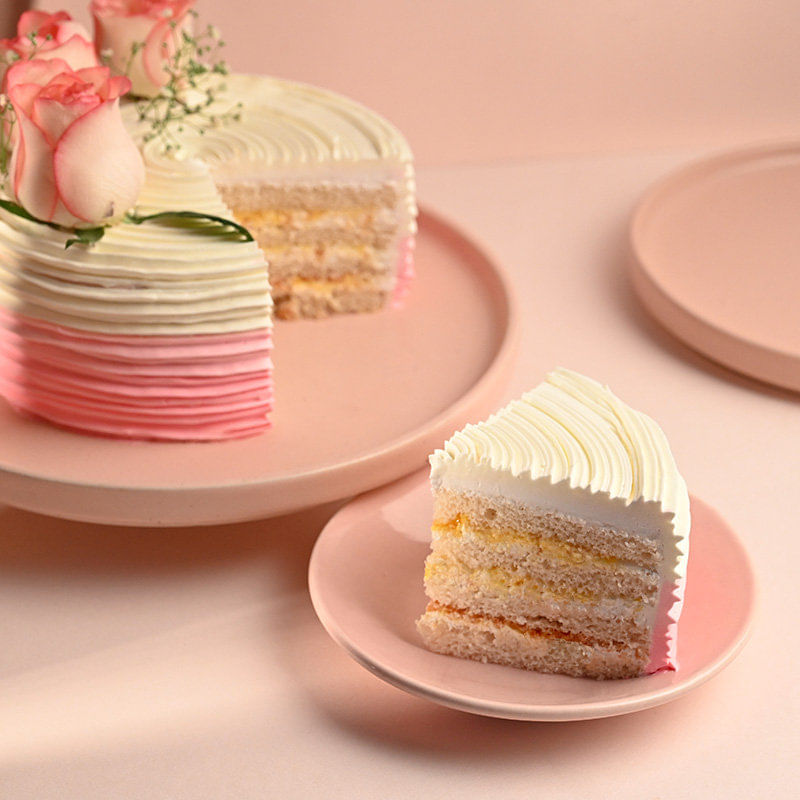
[86, 236]
[208, 224]
[13, 208]
[81, 235]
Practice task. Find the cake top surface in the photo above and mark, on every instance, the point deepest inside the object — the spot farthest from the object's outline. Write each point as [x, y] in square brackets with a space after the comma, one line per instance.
[283, 125]
[571, 430]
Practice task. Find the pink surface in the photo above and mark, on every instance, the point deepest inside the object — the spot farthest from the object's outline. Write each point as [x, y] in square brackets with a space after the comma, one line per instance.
[469, 81]
[664, 653]
[717, 259]
[405, 271]
[361, 399]
[189, 663]
[365, 579]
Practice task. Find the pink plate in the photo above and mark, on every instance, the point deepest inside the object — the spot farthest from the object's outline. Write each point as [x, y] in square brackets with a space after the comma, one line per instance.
[716, 259]
[365, 579]
[361, 400]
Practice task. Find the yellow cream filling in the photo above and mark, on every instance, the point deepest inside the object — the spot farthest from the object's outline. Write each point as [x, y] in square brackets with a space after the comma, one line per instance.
[317, 251]
[562, 551]
[502, 582]
[290, 216]
[348, 281]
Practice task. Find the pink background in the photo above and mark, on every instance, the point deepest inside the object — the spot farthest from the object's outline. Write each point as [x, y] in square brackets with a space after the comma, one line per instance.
[188, 663]
[472, 80]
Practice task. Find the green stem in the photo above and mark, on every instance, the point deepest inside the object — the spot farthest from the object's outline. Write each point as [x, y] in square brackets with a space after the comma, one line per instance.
[174, 216]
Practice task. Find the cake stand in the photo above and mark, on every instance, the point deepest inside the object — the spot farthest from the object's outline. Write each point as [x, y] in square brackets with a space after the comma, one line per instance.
[360, 401]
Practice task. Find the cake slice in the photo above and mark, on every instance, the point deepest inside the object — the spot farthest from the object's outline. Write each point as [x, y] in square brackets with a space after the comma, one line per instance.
[560, 537]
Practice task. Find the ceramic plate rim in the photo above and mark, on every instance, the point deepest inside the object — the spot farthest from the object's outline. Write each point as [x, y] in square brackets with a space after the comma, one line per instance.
[491, 381]
[504, 352]
[703, 335]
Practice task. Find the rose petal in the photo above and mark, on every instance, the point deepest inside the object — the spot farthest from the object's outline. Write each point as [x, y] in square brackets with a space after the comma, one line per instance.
[53, 117]
[119, 34]
[22, 97]
[118, 86]
[31, 21]
[38, 71]
[160, 46]
[76, 51]
[98, 169]
[96, 75]
[67, 29]
[34, 183]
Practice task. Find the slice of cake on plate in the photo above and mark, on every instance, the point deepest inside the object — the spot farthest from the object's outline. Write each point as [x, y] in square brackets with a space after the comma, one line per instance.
[560, 537]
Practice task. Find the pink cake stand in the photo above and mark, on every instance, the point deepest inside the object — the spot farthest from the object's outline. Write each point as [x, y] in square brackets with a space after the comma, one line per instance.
[361, 400]
[716, 251]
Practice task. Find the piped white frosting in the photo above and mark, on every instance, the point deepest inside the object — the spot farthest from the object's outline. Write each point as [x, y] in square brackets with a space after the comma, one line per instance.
[572, 446]
[289, 132]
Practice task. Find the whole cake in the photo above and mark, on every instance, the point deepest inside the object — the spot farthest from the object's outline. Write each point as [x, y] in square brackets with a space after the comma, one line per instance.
[560, 537]
[137, 326]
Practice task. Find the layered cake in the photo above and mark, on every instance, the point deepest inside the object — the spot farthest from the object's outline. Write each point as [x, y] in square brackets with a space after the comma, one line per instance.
[327, 189]
[164, 331]
[560, 537]
[154, 332]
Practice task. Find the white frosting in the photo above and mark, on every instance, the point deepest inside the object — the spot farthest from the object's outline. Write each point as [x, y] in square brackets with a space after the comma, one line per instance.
[572, 439]
[152, 279]
[571, 445]
[293, 133]
[139, 279]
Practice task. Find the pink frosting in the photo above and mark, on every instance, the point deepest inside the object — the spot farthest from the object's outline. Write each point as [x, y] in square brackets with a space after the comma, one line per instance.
[663, 653]
[190, 387]
[405, 271]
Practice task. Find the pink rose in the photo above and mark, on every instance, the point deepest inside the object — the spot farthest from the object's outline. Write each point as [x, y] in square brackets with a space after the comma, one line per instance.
[46, 36]
[73, 162]
[156, 26]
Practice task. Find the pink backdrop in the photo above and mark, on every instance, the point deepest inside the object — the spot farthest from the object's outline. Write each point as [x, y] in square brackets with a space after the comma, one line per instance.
[478, 80]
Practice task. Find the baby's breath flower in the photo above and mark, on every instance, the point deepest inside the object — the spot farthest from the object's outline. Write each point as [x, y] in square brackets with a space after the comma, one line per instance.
[7, 120]
[190, 92]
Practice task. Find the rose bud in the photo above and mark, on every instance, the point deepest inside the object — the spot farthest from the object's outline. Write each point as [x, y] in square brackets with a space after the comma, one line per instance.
[73, 162]
[142, 37]
[46, 36]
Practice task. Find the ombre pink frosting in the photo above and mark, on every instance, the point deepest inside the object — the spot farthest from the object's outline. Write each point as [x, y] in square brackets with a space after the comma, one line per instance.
[663, 652]
[405, 271]
[195, 387]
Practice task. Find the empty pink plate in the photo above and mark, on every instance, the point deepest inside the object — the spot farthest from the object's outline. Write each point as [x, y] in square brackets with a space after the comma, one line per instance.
[365, 579]
[716, 251]
[360, 400]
